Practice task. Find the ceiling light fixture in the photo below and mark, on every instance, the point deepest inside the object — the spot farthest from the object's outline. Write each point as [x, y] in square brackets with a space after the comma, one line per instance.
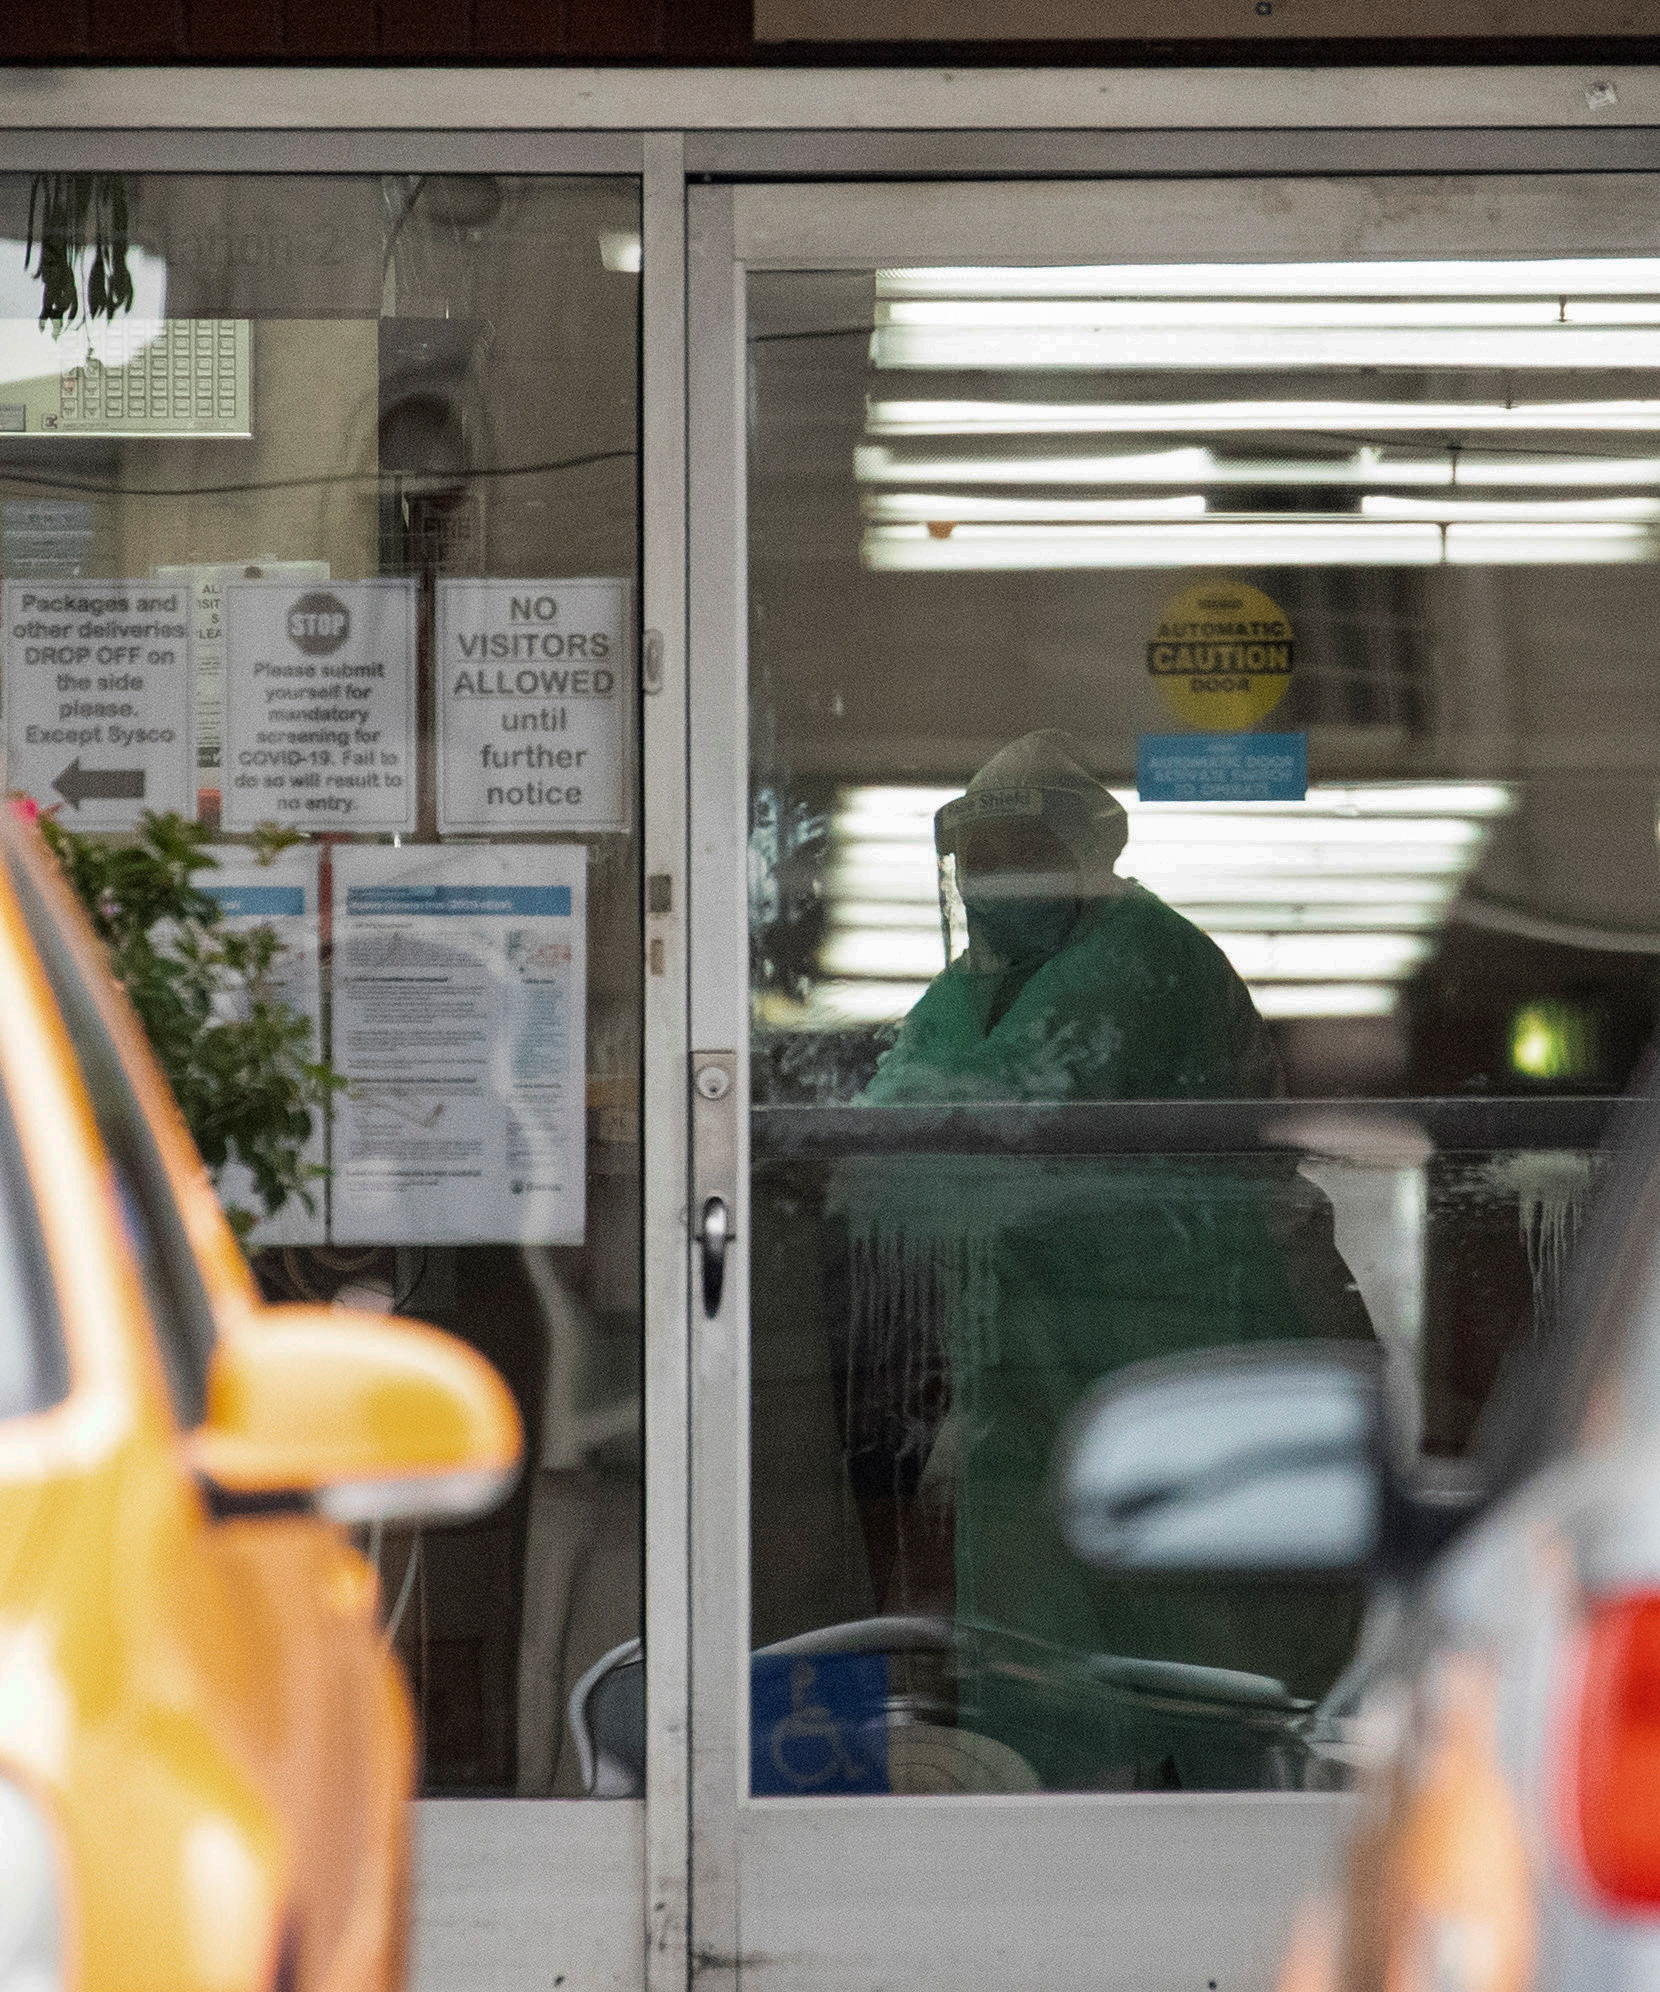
[1031, 348]
[895, 416]
[1540, 276]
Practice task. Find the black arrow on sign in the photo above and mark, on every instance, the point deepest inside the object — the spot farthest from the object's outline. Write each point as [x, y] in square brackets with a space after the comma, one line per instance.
[77, 784]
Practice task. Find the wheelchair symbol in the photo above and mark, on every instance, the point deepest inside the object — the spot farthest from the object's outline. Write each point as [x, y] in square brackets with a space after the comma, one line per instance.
[811, 1724]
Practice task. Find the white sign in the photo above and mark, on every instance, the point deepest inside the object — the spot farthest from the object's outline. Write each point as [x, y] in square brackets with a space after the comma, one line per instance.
[207, 582]
[533, 705]
[283, 896]
[460, 990]
[320, 705]
[97, 698]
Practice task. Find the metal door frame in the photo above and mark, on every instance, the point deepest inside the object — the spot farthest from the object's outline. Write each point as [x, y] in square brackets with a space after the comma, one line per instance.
[510, 1892]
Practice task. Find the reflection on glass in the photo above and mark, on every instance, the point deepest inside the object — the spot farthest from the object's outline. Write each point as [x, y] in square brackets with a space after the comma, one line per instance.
[410, 380]
[1039, 1087]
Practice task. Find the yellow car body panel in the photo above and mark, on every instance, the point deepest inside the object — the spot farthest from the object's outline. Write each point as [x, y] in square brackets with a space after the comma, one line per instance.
[200, 1706]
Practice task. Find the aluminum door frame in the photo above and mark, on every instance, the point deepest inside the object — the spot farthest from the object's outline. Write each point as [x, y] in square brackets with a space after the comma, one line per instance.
[1098, 1893]
[510, 1894]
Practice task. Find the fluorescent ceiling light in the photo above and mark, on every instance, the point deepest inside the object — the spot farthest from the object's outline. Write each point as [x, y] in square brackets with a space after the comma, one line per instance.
[1350, 799]
[1551, 276]
[1345, 892]
[1294, 916]
[841, 1002]
[1190, 870]
[915, 914]
[920, 507]
[1323, 957]
[903, 807]
[1196, 314]
[1310, 541]
[1540, 511]
[901, 549]
[1325, 999]
[919, 417]
[1518, 545]
[1033, 348]
[875, 463]
[880, 952]
[943, 511]
[1182, 825]
[1472, 467]
[1373, 892]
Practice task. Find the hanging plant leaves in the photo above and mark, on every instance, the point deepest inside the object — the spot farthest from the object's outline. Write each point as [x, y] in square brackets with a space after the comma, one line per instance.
[70, 213]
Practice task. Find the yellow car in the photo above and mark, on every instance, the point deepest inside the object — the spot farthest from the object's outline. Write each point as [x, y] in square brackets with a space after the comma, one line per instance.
[205, 1750]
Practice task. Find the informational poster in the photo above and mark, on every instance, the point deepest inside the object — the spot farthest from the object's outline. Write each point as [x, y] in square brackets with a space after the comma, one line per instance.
[97, 699]
[320, 705]
[283, 896]
[460, 994]
[207, 582]
[1222, 767]
[44, 539]
[533, 705]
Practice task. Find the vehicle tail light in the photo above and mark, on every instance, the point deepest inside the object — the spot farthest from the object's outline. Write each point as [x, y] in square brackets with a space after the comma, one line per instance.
[1618, 1757]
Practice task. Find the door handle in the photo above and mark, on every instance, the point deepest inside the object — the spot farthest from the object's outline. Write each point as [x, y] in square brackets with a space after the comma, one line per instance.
[714, 1235]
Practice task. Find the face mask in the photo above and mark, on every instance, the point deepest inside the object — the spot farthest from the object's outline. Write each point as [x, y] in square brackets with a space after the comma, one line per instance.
[1016, 930]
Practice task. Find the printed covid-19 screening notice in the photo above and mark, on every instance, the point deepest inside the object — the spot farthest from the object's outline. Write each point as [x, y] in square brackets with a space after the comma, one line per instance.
[320, 705]
[534, 688]
[98, 699]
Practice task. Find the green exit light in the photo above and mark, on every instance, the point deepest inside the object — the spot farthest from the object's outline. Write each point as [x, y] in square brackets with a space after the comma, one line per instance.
[1552, 1041]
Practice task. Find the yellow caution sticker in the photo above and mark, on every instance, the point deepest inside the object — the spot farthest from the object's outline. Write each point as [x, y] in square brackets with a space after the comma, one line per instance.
[1221, 656]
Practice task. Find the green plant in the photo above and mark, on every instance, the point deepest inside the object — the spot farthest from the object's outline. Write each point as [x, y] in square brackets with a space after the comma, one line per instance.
[239, 1059]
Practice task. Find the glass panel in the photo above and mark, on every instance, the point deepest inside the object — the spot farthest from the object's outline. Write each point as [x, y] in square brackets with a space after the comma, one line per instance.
[1203, 890]
[331, 524]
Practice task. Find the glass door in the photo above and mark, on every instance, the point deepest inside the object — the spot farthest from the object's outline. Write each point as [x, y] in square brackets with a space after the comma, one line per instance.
[1175, 762]
[320, 542]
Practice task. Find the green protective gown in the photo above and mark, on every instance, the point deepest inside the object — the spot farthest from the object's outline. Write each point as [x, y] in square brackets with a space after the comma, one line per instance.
[1046, 1274]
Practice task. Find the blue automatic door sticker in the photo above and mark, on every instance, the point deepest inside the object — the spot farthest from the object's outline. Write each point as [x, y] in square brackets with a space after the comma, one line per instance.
[818, 1725]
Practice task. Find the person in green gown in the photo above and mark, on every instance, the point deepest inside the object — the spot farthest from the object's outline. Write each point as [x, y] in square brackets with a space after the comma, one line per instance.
[1040, 1274]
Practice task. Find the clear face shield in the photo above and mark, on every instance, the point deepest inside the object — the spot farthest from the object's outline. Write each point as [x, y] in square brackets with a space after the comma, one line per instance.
[1004, 864]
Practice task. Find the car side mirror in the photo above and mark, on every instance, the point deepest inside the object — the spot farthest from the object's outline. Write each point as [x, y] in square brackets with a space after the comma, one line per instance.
[1272, 1460]
[364, 1417]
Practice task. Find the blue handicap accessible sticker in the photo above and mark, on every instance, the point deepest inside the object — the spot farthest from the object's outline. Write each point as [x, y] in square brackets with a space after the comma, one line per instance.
[818, 1724]
[1222, 767]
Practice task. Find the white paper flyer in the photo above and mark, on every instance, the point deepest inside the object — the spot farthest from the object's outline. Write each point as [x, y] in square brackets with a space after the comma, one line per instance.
[319, 710]
[460, 990]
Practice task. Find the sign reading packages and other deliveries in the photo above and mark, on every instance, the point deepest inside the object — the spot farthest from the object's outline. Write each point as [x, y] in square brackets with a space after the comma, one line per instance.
[1221, 656]
[97, 699]
[533, 705]
[320, 705]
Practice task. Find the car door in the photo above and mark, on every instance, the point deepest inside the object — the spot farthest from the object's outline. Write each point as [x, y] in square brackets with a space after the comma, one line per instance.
[271, 1616]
